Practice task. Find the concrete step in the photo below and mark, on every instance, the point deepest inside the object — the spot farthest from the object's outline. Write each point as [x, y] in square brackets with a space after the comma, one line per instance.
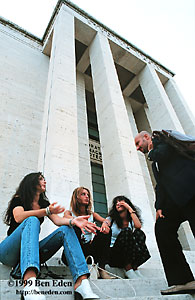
[190, 256]
[175, 297]
[63, 272]
[54, 265]
[134, 288]
[142, 289]
[145, 271]
[62, 289]
[152, 268]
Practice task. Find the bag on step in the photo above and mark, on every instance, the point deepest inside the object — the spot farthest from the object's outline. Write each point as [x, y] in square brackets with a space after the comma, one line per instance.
[16, 272]
[93, 268]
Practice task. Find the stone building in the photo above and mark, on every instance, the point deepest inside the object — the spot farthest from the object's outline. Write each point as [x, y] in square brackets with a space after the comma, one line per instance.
[71, 104]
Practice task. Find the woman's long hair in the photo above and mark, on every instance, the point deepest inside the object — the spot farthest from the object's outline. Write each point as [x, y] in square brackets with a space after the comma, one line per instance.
[114, 214]
[74, 203]
[26, 192]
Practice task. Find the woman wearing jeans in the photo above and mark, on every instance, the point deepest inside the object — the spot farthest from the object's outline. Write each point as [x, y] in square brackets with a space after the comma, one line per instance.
[24, 215]
[81, 205]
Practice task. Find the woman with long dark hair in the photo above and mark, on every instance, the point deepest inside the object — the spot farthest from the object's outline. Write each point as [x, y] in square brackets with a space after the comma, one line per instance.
[127, 248]
[81, 205]
[24, 215]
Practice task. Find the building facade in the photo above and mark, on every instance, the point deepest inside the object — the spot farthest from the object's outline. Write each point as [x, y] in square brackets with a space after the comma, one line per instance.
[71, 105]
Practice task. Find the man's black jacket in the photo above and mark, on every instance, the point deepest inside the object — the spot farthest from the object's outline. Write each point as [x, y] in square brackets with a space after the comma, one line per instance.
[174, 174]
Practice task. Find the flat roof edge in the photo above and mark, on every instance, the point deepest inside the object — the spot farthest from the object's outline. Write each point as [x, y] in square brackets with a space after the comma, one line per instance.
[86, 15]
[20, 29]
[82, 12]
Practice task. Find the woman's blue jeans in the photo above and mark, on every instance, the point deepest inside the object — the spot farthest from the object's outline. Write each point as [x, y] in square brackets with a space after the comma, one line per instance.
[23, 245]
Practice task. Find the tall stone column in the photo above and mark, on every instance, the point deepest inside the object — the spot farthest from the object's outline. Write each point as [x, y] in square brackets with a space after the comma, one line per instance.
[180, 106]
[160, 111]
[85, 178]
[142, 123]
[59, 145]
[142, 158]
[122, 171]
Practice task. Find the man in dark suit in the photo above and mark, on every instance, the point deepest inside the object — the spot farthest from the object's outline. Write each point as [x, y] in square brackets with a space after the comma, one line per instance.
[175, 203]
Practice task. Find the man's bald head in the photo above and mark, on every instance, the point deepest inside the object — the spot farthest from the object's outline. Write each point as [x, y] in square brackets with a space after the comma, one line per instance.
[142, 141]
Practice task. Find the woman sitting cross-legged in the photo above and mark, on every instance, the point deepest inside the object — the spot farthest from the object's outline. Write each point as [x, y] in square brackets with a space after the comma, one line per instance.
[98, 247]
[24, 215]
[127, 249]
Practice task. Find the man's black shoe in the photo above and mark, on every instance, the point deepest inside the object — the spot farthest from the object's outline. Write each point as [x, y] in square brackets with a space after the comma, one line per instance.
[188, 288]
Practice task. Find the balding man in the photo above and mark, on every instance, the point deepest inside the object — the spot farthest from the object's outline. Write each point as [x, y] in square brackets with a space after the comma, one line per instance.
[175, 203]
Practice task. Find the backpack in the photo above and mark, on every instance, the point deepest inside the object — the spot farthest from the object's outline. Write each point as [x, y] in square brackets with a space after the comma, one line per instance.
[183, 144]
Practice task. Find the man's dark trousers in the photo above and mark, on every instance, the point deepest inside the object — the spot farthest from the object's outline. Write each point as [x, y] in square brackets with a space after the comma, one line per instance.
[176, 268]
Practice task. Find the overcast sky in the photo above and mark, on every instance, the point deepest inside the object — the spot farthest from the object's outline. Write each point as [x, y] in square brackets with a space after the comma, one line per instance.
[164, 29]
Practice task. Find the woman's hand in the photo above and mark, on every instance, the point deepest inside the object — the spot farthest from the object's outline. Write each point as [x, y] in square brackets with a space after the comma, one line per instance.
[134, 217]
[105, 228]
[56, 209]
[82, 223]
[125, 205]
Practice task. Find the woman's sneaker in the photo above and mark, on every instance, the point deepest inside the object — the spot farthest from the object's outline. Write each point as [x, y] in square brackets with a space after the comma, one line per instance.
[138, 273]
[130, 274]
[32, 292]
[84, 290]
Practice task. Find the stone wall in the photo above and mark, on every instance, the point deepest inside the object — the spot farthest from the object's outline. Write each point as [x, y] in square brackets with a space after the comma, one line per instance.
[23, 78]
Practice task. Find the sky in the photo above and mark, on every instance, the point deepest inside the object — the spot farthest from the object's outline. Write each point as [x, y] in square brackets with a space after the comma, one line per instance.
[164, 29]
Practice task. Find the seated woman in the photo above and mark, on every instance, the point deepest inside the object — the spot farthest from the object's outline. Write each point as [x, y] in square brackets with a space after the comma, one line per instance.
[81, 205]
[127, 249]
[24, 215]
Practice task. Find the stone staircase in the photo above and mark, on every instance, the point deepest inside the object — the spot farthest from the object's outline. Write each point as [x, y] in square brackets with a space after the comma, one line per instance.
[147, 288]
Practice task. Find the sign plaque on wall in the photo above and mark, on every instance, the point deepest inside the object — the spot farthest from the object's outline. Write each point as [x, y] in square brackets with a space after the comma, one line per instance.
[95, 152]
